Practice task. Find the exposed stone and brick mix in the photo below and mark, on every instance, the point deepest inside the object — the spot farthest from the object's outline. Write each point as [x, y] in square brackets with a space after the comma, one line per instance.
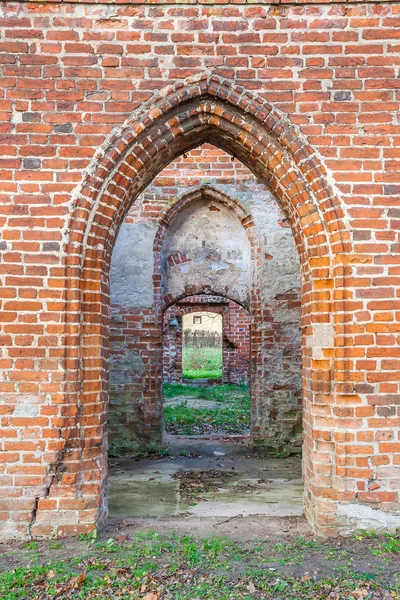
[179, 240]
[96, 100]
[235, 337]
[237, 345]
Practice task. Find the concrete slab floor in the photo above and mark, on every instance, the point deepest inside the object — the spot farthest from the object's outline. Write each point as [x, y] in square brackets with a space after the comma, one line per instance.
[250, 488]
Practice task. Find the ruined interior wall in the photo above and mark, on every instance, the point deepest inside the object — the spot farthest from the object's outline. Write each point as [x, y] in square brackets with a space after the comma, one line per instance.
[238, 344]
[235, 338]
[207, 248]
[135, 356]
[279, 427]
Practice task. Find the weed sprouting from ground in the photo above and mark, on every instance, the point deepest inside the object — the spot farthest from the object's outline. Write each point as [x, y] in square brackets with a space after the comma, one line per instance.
[201, 363]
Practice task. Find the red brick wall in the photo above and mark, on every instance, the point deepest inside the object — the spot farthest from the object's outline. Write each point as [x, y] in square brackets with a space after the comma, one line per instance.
[238, 344]
[317, 85]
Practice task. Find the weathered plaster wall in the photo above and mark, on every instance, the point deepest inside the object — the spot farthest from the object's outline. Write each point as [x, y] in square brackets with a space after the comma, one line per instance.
[132, 267]
[207, 248]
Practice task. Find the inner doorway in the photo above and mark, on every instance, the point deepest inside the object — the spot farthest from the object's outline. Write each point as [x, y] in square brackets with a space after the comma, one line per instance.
[202, 359]
[206, 368]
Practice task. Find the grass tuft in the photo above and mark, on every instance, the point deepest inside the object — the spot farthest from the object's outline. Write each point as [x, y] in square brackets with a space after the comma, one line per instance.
[231, 418]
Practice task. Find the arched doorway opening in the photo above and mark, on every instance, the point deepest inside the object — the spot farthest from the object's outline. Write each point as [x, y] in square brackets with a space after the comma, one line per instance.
[202, 357]
[181, 118]
[206, 368]
[201, 244]
[206, 322]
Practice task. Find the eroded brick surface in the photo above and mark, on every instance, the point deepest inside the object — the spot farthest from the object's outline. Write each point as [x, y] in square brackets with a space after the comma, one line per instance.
[307, 96]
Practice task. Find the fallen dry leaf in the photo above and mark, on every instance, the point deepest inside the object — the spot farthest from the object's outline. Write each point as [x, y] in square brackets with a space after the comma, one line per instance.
[76, 582]
[151, 596]
[358, 593]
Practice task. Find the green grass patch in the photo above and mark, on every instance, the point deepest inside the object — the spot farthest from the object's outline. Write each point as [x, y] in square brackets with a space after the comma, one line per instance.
[216, 393]
[183, 419]
[173, 567]
[201, 363]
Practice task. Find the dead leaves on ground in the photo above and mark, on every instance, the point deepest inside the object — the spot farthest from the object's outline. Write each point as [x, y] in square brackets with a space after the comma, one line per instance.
[192, 484]
[163, 585]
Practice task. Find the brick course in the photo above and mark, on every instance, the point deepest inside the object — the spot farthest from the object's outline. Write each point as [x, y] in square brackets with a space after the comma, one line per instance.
[306, 95]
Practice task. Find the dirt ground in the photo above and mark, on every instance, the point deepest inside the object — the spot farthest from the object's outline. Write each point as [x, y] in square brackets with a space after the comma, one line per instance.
[228, 529]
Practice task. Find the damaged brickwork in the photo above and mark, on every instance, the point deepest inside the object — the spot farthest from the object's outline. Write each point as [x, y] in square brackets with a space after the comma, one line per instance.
[99, 98]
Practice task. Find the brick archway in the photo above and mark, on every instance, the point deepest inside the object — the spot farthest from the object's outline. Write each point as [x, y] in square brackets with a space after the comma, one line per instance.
[173, 340]
[175, 120]
[205, 192]
[208, 192]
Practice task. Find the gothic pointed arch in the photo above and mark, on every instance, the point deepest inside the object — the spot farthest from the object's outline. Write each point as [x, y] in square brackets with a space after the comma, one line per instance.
[206, 108]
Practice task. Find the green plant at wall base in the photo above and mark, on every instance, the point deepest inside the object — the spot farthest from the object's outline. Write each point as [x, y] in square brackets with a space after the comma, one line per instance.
[392, 544]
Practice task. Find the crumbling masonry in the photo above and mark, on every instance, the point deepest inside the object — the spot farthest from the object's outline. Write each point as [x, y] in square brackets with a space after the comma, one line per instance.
[178, 241]
[99, 98]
